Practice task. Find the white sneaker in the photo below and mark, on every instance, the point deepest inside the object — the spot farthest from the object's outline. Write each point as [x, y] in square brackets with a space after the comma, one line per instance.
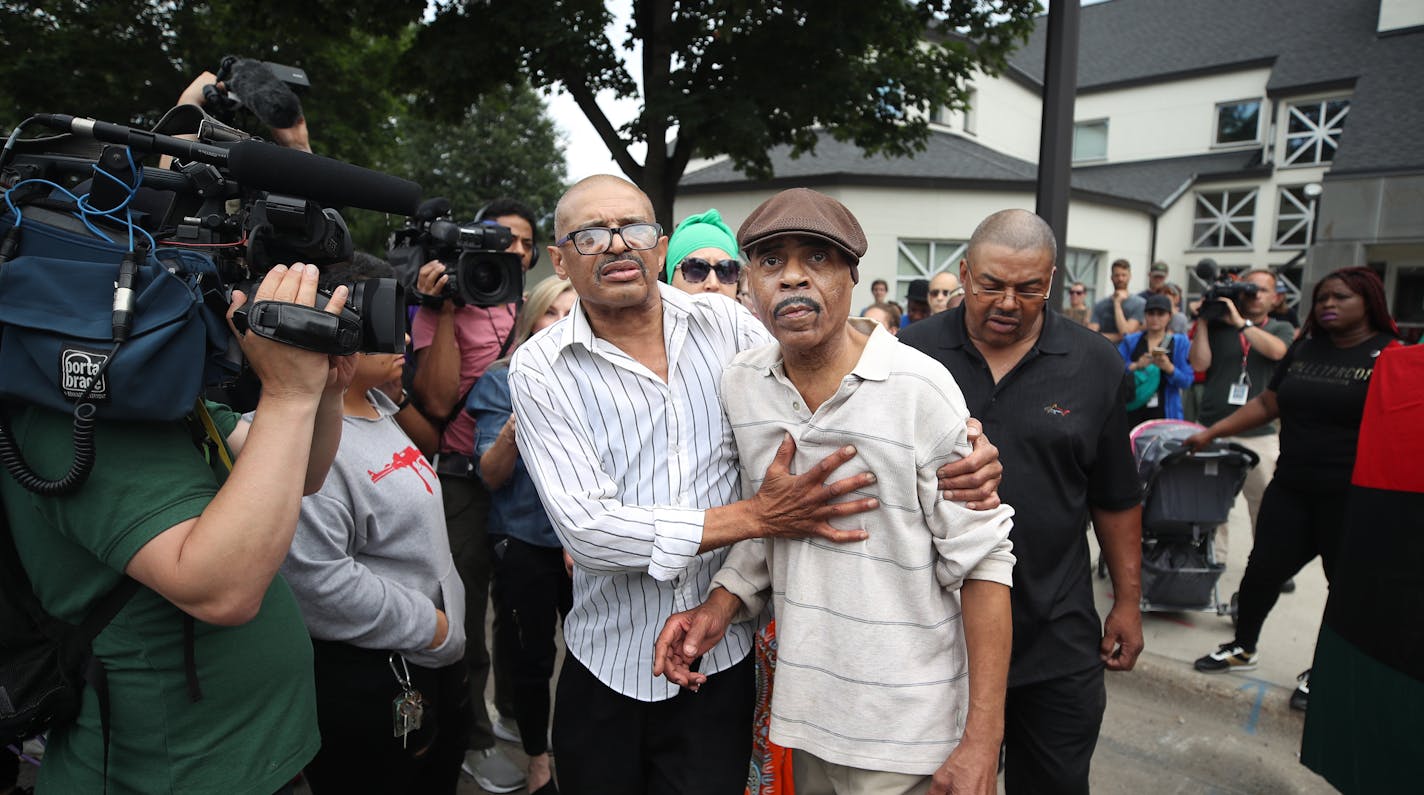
[493, 771]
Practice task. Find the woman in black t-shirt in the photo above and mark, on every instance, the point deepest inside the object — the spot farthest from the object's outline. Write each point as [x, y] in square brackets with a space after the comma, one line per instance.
[1318, 392]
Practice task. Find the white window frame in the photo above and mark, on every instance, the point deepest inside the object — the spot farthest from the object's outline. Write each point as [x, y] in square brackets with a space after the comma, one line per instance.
[1077, 125]
[1216, 123]
[1223, 219]
[1293, 206]
[1082, 265]
[1316, 134]
[942, 255]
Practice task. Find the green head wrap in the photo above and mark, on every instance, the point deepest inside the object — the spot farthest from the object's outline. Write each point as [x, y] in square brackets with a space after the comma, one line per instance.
[705, 230]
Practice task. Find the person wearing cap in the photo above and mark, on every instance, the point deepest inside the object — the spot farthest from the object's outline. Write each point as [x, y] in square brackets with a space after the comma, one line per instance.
[1157, 359]
[621, 427]
[1055, 391]
[841, 610]
[917, 302]
[702, 256]
[1156, 279]
[1179, 322]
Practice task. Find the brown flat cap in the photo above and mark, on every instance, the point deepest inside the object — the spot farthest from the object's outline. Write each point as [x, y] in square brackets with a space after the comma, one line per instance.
[802, 211]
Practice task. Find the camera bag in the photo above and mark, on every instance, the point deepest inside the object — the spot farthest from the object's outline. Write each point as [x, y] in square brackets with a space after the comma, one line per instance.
[56, 314]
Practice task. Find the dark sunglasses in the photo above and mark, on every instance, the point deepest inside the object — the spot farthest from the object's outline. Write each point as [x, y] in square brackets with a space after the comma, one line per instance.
[695, 270]
[1077, 292]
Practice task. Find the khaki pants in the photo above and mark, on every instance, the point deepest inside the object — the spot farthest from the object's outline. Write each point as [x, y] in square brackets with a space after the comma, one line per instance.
[816, 776]
[1268, 447]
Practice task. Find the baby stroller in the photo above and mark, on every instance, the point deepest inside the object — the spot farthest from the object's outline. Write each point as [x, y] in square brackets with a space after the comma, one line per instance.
[1185, 496]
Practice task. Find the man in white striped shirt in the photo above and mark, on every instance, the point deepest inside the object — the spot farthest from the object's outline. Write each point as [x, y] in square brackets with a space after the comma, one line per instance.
[883, 682]
[622, 428]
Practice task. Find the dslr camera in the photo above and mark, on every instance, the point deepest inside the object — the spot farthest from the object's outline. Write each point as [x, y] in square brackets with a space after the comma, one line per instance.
[481, 271]
[1221, 285]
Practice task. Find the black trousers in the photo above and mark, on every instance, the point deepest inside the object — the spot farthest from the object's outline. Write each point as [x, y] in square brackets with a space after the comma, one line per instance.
[1293, 527]
[532, 593]
[693, 744]
[355, 689]
[1050, 731]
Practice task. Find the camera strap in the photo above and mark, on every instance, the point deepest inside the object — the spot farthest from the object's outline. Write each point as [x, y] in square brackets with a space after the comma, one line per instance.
[301, 326]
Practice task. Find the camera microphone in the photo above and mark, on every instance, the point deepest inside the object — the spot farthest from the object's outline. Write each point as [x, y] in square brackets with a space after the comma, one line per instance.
[256, 86]
[1206, 270]
[141, 140]
[326, 181]
[263, 166]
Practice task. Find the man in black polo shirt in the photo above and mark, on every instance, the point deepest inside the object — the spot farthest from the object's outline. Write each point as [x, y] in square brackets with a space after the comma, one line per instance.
[1051, 394]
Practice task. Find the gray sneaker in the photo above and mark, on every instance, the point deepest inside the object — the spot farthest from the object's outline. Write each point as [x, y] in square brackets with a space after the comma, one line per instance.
[506, 729]
[493, 771]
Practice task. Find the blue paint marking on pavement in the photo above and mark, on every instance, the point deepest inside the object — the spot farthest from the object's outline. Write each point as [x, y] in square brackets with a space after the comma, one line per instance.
[1260, 687]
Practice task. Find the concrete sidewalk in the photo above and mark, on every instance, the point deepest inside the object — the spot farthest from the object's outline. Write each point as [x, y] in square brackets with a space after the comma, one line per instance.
[1244, 709]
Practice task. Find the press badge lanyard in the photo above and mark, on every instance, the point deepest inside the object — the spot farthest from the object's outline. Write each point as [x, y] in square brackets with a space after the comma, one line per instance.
[1242, 387]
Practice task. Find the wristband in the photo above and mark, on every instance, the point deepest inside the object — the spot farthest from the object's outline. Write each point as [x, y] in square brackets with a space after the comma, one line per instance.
[404, 401]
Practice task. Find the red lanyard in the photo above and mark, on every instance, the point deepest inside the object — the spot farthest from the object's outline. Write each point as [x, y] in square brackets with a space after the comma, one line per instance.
[1245, 349]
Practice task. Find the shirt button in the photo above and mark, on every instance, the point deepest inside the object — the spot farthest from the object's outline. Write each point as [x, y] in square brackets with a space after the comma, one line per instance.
[796, 406]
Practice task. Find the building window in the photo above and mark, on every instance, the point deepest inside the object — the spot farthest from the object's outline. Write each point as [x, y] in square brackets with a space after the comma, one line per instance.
[1295, 217]
[1224, 219]
[1313, 131]
[971, 99]
[921, 259]
[1238, 122]
[1082, 266]
[1090, 140]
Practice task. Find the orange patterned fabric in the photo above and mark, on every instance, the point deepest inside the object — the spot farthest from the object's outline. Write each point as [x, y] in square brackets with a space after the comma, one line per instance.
[770, 770]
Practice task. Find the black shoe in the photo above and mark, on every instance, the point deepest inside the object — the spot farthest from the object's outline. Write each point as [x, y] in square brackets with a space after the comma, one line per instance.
[1300, 697]
[1288, 586]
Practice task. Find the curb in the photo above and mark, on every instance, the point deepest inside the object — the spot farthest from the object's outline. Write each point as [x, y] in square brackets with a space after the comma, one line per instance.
[1181, 681]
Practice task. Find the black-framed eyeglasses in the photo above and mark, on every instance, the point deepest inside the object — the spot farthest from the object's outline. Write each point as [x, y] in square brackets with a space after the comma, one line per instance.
[938, 293]
[598, 239]
[997, 293]
[1076, 291]
[696, 269]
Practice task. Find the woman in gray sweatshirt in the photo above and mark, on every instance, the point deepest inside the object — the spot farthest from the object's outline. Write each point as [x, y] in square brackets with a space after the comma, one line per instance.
[371, 569]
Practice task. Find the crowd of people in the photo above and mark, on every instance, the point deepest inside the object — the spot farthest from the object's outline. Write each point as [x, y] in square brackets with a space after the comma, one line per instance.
[783, 550]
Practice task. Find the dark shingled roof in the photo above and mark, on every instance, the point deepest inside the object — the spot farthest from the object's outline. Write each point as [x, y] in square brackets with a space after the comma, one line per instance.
[953, 161]
[1308, 44]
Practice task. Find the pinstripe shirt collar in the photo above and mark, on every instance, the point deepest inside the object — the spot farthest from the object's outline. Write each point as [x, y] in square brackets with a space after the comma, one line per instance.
[676, 308]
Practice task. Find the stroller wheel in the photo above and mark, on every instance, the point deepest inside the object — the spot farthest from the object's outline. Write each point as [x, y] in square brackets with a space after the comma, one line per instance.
[1235, 605]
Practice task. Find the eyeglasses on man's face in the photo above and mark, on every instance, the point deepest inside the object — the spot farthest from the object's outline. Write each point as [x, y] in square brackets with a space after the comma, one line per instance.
[598, 239]
[1077, 291]
[696, 269]
[940, 293]
[995, 293]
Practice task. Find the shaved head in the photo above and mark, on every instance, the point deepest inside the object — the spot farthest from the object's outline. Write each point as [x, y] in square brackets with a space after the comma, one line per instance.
[562, 222]
[1016, 230]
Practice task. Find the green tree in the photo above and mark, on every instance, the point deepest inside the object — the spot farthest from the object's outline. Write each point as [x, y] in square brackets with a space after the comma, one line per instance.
[504, 145]
[735, 77]
[126, 61]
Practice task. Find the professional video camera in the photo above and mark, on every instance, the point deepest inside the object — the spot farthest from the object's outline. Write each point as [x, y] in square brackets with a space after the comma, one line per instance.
[115, 277]
[1221, 285]
[481, 272]
[265, 88]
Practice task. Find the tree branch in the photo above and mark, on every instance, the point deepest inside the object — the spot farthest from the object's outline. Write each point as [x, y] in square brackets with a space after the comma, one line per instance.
[588, 103]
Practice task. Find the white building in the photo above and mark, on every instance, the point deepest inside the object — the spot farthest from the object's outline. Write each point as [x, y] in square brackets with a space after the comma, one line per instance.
[1281, 134]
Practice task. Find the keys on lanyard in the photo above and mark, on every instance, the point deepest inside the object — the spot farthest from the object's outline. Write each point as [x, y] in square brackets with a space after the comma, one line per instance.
[407, 709]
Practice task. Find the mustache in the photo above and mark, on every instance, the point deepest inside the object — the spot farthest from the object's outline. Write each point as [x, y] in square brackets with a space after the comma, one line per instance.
[796, 301]
[620, 258]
